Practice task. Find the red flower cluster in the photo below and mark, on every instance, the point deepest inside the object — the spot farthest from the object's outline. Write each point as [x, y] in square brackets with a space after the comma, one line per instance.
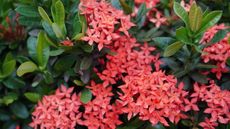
[218, 104]
[103, 20]
[57, 111]
[61, 110]
[154, 97]
[218, 52]
[99, 113]
[127, 60]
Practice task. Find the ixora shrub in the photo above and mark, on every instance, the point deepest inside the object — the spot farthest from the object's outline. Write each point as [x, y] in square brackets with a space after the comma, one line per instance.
[114, 64]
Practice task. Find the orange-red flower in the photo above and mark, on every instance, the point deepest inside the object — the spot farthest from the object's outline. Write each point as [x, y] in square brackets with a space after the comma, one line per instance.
[102, 19]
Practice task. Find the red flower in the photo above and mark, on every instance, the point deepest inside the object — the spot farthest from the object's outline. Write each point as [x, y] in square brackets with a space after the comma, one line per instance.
[57, 111]
[102, 19]
[67, 43]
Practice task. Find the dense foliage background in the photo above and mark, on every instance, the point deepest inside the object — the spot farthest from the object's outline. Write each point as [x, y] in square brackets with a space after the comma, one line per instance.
[48, 44]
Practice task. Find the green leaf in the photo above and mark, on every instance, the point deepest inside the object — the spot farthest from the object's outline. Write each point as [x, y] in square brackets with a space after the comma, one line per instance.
[4, 116]
[86, 95]
[19, 110]
[64, 63]
[205, 66]
[78, 83]
[48, 29]
[31, 47]
[87, 48]
[162, 42]
[180, 11]
[58, 31]
[225, 85]
[126, 7]
[13, 83]
[29, 21]
[10, 98]
[195, 17]
[209, 20]
[173, 48]
[48, 77]
[44, 15]
[8, 65]
[27, 10]
[77, 26]
[26, 67]
[218, 36]
[58, 15]
[141, 15]
[199, 77]
[56, 52]
[42, 50]
[33, 97]
[86, 63]
[181, 34]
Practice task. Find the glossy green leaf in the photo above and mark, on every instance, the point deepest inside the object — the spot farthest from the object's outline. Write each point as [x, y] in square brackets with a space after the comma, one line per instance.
[9, 98]
[57, 31]
[8, 66]
[180, 11]
[32, 96]
[31, 47]
[19, 110]
[181, 34]
[29, 21]
[173, 48]
[14, 83]
[64, 63]
[27, 10]
[26, 67]
[42, 50]
[77, 26]
[195, 17]
[44, 15]
[86, 95]
[221, 34]
[58, 14]
[162, 42]
[209, 20]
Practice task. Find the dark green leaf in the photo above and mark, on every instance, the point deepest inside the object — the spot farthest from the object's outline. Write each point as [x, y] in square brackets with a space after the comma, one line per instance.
[31, 47]
[14, 83]
[225, 85]
[86, 63]
[27, 10]
[64, 63]
[29, 21]
[4, 116]
[20, 110]
[86, 95]
[218, 36]
[198, 77]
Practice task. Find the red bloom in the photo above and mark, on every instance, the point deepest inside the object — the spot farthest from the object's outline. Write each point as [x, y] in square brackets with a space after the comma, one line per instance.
[57, 111]
[67, 43]
[153, 96]
[102, 19]
[218, 52]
